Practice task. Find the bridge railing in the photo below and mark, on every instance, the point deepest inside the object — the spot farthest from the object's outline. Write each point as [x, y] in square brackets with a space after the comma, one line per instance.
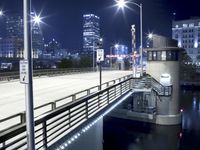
[20, 118]
[52, 126]
[43, 72]
[160, 89]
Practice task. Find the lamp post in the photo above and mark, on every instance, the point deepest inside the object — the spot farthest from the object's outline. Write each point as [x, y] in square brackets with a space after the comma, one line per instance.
[93, 55]
[123, 3]
[29, 84]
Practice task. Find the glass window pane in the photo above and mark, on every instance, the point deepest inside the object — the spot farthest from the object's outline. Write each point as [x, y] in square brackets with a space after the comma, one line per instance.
[149, 55]
[159, 55]
[168, 55]
[154, 55]
[163, 56]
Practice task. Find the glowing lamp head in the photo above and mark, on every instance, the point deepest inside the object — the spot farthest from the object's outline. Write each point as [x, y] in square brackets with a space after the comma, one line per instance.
[37, 19]
[1, 13]
[116, 45]
[150, 36]
[121, 3]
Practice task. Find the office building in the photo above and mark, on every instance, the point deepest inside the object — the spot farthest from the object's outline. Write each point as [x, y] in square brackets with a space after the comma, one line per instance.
[11, 47]
[37, 41]
[14, 26]
[91, 32]
[187, 33]
[14, 38]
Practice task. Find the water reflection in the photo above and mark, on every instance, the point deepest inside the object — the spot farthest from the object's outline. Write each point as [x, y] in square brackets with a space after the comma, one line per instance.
[128, 135]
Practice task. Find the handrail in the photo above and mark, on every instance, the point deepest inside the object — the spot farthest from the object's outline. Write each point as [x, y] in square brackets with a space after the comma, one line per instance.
[160, 89]
[57, 123]
[48, 107]
[43, 72]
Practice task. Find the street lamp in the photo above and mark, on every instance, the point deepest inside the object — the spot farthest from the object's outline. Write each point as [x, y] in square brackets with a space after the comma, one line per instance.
[29, 83]
[37, 19]
[123, 3]
[150, 35]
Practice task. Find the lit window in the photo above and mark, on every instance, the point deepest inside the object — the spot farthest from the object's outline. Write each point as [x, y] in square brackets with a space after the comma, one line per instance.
[163, 55]
[154, 55]
[191, 25]
[185, 25]
[149, 55]
[159, 55]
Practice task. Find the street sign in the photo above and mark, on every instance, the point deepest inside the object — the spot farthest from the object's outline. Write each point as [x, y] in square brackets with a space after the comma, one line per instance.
[24, 72]
[100, 55]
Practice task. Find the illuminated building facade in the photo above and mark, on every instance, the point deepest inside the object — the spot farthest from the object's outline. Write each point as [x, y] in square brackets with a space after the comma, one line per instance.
[91, 32]
[187, 33]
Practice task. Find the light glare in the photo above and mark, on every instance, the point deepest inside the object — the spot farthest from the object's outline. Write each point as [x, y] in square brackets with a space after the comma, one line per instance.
[121, 3]
[1, 13]
[37, 19]
[150, 36]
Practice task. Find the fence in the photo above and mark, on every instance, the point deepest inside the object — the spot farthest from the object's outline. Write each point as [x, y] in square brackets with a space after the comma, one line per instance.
[63, 117]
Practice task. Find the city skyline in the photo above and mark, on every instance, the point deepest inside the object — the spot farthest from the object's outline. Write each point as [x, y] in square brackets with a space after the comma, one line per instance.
[63, 21]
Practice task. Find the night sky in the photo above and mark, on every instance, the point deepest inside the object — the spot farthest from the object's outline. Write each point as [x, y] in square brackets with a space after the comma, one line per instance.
[63, 18]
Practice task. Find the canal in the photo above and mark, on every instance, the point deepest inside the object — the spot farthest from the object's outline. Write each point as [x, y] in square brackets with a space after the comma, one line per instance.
[131, 135]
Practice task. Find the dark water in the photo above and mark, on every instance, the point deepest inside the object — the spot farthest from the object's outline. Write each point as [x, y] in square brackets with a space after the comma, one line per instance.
[128, 135]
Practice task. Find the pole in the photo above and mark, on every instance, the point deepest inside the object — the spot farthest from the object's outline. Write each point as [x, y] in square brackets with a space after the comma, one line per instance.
[141, 42]
[29, 87]
[93, 56]
[100, 76]
[110, 57]
[133, 48]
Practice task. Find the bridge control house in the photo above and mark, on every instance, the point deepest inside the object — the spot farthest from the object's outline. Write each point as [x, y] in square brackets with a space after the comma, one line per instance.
[155, 98]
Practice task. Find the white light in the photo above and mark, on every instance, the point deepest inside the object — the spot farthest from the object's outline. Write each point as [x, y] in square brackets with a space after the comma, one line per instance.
[69, 142]
[116, 45]
[1, 13]
[196, 45]
[37, 19]
[150, 36]
[121, 3]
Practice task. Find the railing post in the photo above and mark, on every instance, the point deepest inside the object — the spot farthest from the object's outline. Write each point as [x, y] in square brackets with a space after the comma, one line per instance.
[69, 117]
[108, 96]
[88, 91]
[120, 88]
[73, 97]
[23, 117]
[44, 134]
[130, 81]
[87, 113]
[107, 84]
[53, 105]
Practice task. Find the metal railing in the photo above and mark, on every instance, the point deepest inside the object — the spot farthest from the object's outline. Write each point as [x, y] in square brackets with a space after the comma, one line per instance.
[20, 118]
[7, 76]
[52, 126]
[160, 89]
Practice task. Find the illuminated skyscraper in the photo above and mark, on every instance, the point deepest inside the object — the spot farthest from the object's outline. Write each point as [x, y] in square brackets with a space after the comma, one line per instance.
[14, 26]
[12, 44]
[91, 32]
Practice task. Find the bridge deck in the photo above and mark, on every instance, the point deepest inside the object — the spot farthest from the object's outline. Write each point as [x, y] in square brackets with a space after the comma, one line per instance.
[47, 89]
